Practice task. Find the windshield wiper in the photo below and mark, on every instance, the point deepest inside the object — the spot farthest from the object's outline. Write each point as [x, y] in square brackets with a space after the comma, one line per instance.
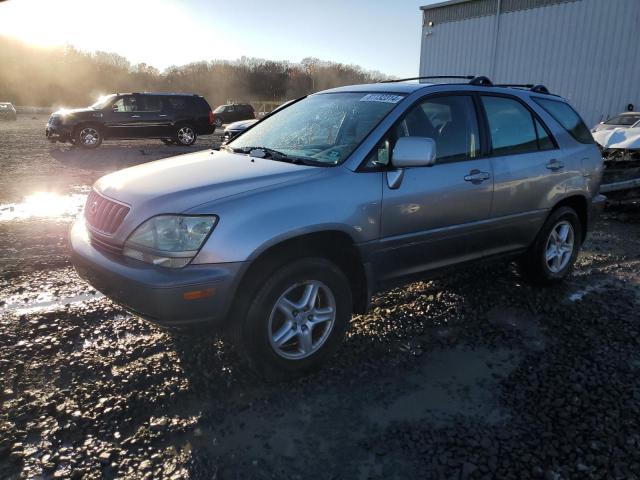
[277, 155]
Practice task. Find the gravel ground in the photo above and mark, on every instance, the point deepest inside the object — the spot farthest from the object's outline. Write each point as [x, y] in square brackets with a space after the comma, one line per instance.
[476, 375]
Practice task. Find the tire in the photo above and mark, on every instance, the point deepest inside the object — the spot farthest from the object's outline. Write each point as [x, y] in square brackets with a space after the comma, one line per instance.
[168, 141]
[218, 122]
[186, 135]
[551, 257]
[273, 342]
[87, 136]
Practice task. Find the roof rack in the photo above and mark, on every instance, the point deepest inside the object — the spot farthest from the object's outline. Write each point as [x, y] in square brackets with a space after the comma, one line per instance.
[432, 77]
[477, 80]
[529, 86]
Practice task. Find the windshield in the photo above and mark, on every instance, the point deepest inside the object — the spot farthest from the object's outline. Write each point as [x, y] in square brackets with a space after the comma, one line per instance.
[626, 120]
[102, 102]
[325, 128]
[219, 109]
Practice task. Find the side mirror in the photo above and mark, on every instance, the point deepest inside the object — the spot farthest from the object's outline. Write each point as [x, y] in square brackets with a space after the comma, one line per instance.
[414, 152]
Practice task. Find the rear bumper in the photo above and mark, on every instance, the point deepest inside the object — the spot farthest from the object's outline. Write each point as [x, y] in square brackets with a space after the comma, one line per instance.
[162, 295]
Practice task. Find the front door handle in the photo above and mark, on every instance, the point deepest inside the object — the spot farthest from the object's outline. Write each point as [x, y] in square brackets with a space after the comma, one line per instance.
[555, 164]
[135, 116]
[162, 115]
[476, 176]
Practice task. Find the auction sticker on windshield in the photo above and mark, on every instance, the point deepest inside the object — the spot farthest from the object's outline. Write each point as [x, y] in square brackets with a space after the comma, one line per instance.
[381, 97]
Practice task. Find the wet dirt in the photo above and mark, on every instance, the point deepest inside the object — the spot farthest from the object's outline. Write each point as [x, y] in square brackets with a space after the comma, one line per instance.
[475, 375]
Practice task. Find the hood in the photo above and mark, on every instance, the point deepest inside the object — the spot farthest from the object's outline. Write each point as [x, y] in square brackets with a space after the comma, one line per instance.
[74, 111]
[176, 184]
[241, 125]
[620, 137]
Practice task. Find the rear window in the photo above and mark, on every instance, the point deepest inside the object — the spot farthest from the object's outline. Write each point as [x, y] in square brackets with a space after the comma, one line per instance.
[567, 117]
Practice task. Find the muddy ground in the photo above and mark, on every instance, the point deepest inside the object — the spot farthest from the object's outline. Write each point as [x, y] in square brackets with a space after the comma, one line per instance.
[476, 375]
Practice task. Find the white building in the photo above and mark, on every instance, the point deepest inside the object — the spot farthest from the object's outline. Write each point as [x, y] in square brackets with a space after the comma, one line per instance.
[587, 51]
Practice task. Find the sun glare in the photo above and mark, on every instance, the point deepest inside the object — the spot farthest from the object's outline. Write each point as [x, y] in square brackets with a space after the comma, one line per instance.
[44, 204]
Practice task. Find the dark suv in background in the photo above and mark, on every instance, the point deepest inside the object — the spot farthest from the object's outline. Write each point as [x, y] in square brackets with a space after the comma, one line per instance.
[232, 113]
[171, 117]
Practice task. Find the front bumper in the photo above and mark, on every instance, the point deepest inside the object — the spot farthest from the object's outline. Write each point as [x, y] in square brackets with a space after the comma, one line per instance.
[162, 295]
[59, 133]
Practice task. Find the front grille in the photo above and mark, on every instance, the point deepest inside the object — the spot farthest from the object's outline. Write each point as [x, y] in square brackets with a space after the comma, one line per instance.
[54, 120]
[104, 215]
[104, 246]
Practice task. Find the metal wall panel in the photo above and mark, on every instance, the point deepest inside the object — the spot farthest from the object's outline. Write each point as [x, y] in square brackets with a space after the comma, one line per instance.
[586, 51]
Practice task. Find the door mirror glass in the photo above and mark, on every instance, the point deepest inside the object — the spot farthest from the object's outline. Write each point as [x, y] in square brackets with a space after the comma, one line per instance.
[414, 152]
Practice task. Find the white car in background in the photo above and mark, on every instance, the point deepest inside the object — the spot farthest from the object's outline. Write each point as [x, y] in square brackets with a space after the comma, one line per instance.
[619, 140]
[619, 132]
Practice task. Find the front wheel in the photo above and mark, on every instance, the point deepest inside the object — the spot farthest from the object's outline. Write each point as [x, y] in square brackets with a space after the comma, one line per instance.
[551, 257]
[297, 319]
[186, 135]
[87, 136]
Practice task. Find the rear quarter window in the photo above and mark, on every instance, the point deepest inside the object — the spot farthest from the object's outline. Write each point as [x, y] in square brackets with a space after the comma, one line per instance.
[566, 116]
[179, 104]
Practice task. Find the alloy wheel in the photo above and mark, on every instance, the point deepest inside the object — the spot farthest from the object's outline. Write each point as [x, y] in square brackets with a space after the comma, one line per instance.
[186, 135]
[302, 320]
[560, 245]
[89, 136]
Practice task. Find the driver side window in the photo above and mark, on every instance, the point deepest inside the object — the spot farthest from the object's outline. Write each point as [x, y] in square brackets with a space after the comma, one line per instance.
[449, 120]
[125, 104]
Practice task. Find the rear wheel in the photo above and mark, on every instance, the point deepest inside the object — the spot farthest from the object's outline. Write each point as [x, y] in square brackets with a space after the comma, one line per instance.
[218, 122]
[297, 319]
[551, 257]
[88, 136]
[186, 135]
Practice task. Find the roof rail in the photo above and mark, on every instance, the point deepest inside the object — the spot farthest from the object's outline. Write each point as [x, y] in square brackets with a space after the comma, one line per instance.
[432, 77]
[481, 81]
[540, 89]
[530, 86]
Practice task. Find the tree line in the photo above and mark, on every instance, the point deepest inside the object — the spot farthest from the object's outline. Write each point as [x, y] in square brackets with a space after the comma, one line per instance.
[66, 76]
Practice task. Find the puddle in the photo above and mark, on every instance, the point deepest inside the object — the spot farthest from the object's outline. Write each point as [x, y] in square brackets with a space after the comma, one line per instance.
[451, 383]
[579, 294]
[46, 303]
[44, 205]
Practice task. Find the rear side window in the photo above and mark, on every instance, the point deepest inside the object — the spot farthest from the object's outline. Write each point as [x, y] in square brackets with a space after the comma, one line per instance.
[150, 103]
[178, 103]
[567, 117]
[513, 127]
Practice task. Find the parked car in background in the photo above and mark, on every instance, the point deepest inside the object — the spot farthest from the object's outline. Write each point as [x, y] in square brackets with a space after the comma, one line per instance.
[622, 120]
[174, 118]
[235, 128]
[232, 113]
[291, 227]
[619, 140]
[8, 111]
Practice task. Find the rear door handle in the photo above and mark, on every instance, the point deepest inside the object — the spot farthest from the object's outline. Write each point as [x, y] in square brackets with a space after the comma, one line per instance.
[555, 164]
[135, 116]
[476, 176]
[162, 115]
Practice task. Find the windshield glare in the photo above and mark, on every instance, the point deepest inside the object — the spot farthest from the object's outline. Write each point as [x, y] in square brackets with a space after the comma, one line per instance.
[102, 102]
[323, 127]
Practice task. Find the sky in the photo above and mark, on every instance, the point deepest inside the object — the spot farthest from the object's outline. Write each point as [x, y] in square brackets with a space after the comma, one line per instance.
[379, 35]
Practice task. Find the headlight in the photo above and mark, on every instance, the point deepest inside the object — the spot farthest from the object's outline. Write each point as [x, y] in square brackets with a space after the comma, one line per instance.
[169, 240]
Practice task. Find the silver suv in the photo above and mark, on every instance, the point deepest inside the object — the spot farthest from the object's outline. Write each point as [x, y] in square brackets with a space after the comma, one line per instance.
[289, 229]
